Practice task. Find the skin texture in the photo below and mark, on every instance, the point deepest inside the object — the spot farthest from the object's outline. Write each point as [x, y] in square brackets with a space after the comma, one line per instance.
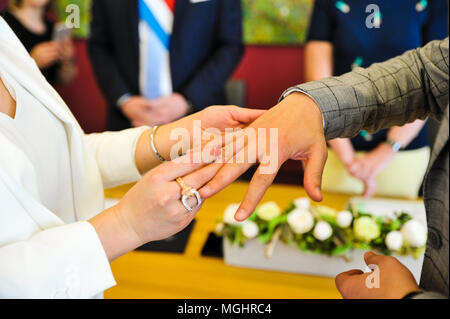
[319, 65]
[7, 103]
[395, 282]
[297, 115]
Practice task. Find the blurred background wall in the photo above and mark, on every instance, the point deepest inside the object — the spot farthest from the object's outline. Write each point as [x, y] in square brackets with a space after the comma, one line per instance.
[265, 71]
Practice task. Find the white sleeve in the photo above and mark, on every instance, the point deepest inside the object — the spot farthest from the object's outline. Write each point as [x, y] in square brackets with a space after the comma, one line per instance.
[66, 261]
[115, 155]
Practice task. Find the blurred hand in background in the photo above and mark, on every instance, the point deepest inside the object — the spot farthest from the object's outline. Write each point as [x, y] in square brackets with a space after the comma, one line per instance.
[46, 54]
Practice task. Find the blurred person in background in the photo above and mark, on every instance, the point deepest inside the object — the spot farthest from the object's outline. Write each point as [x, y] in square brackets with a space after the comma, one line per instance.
[54, 57]
[354, 33]
[158, 60]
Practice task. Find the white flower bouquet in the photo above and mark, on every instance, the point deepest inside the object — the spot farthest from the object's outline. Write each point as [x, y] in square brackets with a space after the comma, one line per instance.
[323, 230]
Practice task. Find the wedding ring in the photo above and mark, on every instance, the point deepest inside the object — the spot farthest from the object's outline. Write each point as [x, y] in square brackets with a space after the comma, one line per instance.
[186, 193]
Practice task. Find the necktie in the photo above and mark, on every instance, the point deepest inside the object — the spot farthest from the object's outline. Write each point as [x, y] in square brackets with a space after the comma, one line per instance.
[155, 30]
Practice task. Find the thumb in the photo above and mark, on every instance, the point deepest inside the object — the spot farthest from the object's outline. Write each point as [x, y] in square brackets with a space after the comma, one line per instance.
[371, 258]
[314, 166]
[246, 116]
[347, 281]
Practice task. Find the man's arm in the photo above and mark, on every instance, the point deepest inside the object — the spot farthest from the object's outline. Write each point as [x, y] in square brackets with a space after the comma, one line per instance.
[100, 50]
[212, 76]
[398, 91]
[395, 92]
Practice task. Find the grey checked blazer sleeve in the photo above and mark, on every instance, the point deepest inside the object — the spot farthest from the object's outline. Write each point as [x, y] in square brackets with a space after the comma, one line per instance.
[398, 91]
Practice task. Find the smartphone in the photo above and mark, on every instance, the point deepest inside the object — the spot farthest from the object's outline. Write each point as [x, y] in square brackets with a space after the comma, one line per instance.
[61, 32]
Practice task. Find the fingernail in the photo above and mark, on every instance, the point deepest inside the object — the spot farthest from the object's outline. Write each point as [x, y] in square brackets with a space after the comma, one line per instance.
[240, 215]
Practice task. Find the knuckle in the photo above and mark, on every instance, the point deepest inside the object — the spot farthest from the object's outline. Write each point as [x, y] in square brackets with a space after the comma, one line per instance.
[163, 198]
[155, 177]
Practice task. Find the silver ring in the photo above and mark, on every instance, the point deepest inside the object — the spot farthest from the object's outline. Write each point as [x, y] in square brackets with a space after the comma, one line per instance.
[185, 197]
[186, 193]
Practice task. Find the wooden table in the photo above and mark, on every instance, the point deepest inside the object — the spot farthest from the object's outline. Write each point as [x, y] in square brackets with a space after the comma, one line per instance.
[190, 275]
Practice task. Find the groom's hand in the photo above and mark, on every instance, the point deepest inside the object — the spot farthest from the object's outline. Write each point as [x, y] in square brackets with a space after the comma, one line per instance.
[300, 136]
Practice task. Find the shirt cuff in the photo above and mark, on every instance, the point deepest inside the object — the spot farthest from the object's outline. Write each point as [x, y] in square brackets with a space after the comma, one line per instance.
[123, 99]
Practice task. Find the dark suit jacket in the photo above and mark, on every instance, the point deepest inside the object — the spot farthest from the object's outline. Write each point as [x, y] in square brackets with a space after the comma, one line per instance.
[206, 46]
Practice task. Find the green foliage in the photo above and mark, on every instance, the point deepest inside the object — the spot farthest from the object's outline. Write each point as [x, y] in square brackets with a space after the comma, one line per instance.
[276, 21]
[341, 243]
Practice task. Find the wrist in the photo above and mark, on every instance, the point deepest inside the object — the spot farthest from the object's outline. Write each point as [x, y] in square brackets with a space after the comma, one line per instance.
[123, 100]
[162, 142]
[394, 144]
[386, 149]
[116, 236]
[304, 102]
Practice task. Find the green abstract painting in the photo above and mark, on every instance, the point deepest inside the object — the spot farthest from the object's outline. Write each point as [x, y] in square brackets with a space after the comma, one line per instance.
[282, 22]
[266, 22]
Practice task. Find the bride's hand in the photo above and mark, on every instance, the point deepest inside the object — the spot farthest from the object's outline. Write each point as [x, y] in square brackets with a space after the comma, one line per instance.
[220, 118]
[152, 209]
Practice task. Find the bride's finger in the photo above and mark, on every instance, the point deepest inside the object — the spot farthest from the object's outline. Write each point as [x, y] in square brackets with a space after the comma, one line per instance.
[181, 166]
[244, 115]
[200, 177]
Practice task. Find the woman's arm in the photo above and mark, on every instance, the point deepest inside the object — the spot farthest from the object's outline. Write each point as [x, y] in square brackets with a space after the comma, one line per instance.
[371, 164]
[168, 136]
[123, 157]
[318, 60]
[406, 133]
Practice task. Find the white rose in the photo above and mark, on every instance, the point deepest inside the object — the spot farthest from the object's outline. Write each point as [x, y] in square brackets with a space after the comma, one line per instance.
[414, 233]
[268, 211]
[301, 221]
[322, 231]
[394, 240]
[228, 217]
[302, 203]
[344, 218]
[250, 229]
[326, 212]
[366, 229]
